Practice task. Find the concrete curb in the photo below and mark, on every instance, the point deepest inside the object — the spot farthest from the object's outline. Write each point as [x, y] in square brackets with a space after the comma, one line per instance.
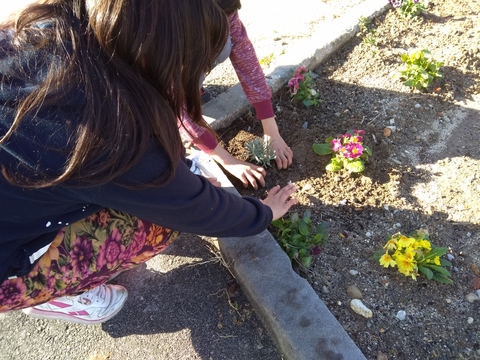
[298, 321]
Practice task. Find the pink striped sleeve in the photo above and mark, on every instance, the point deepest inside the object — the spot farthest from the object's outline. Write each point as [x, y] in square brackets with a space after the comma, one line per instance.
[250, 74]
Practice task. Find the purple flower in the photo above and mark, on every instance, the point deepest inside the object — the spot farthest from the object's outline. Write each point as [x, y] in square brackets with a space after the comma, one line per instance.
[81, 255]
[336, 145]
[315, 250]
[111, 250]
[293, 85]
[12, 292]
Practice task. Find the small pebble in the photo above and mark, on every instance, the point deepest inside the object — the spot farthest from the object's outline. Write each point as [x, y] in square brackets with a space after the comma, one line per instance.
[401, 315]
[478, 293]
[448, 301]
[450, 257]
[398, 225]
[368, 234]
[353, 272]
[470, 320]
[418, 106]
[354, 292]
[471, 297]
[325, 289]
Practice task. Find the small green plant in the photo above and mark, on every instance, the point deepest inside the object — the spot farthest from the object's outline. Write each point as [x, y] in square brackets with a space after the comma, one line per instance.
[347, 151]
[420, 69]
[302, 87]
[413, 254]
[299, 238]
[409, 8]
[266, 61]
[260, 151]
[367, 32]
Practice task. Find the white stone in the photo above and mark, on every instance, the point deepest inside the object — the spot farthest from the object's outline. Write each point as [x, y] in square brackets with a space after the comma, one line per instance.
[401, 315]
[353, 272]
[471, 297]
[359, 307]
[368, 234]
[470, 320]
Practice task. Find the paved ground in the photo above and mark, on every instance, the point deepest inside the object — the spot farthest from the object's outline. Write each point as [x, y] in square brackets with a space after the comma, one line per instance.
[184, 304]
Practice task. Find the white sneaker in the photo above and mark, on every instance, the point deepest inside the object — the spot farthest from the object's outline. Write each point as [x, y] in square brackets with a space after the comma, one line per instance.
[92, 307]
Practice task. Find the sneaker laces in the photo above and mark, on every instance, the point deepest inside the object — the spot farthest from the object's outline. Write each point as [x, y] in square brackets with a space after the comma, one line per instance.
[96, 295]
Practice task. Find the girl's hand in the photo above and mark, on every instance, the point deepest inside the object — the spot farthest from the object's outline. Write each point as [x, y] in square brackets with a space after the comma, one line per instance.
[284, 155]
[247, 173]
[279, 200]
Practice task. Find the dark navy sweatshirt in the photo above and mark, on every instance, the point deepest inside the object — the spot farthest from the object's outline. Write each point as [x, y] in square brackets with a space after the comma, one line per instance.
[30, 218]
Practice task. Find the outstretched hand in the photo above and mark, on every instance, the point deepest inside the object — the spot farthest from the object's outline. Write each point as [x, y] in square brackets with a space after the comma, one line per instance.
[280, 200]
[247, 173]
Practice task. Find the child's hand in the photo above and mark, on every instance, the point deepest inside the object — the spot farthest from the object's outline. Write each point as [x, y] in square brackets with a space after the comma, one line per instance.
[279, 200]
[247, 173]
[284, 155]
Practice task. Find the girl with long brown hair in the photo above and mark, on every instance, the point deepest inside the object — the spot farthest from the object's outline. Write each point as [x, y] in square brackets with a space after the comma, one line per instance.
[94, 179]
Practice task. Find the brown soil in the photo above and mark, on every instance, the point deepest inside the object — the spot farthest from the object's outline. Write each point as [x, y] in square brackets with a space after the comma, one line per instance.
[425, 174]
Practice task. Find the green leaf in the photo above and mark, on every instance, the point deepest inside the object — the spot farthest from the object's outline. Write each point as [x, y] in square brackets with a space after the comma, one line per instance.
[355, 166]
[442, 279]
[294, 218]
[277, 223]
[333, 167]
[302, 227]
[426, 271]
[445, 262]
[367, 150]
[438, 269]
[323, 149]
[306, 261]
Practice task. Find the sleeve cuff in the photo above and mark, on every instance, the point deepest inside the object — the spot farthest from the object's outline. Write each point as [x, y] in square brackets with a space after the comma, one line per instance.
[206, 142]
[264, 109]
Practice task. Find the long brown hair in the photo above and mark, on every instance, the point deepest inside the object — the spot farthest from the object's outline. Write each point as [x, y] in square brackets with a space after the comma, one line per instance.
[139, 64]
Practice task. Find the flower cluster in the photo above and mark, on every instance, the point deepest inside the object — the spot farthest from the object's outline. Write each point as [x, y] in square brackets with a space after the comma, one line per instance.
[347, 151]
[302, 87]
[413, 255]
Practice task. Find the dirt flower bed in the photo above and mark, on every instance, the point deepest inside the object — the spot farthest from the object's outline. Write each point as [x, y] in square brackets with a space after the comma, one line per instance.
[424, 174]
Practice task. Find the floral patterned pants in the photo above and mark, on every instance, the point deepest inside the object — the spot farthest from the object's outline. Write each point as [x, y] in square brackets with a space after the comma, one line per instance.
[85, 255]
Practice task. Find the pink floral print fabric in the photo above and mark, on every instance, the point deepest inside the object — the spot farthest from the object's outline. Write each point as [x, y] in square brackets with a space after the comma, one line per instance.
[85, 255]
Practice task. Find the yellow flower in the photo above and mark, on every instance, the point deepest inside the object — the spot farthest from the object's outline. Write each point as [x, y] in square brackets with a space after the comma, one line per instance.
[405, 263]
[405, 242]
[423, 244]
[386, 260]
[436, 260]
[391, 244]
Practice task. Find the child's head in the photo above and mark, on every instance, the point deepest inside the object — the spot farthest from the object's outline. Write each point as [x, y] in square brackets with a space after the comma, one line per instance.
[229, 6]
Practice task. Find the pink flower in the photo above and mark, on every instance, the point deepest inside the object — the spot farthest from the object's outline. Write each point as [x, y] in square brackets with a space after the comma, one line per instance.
[353, 151]
[12, 292]
[293, 85]
[111, 250]
[300, 70]
[336, 145]
[359, 132]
